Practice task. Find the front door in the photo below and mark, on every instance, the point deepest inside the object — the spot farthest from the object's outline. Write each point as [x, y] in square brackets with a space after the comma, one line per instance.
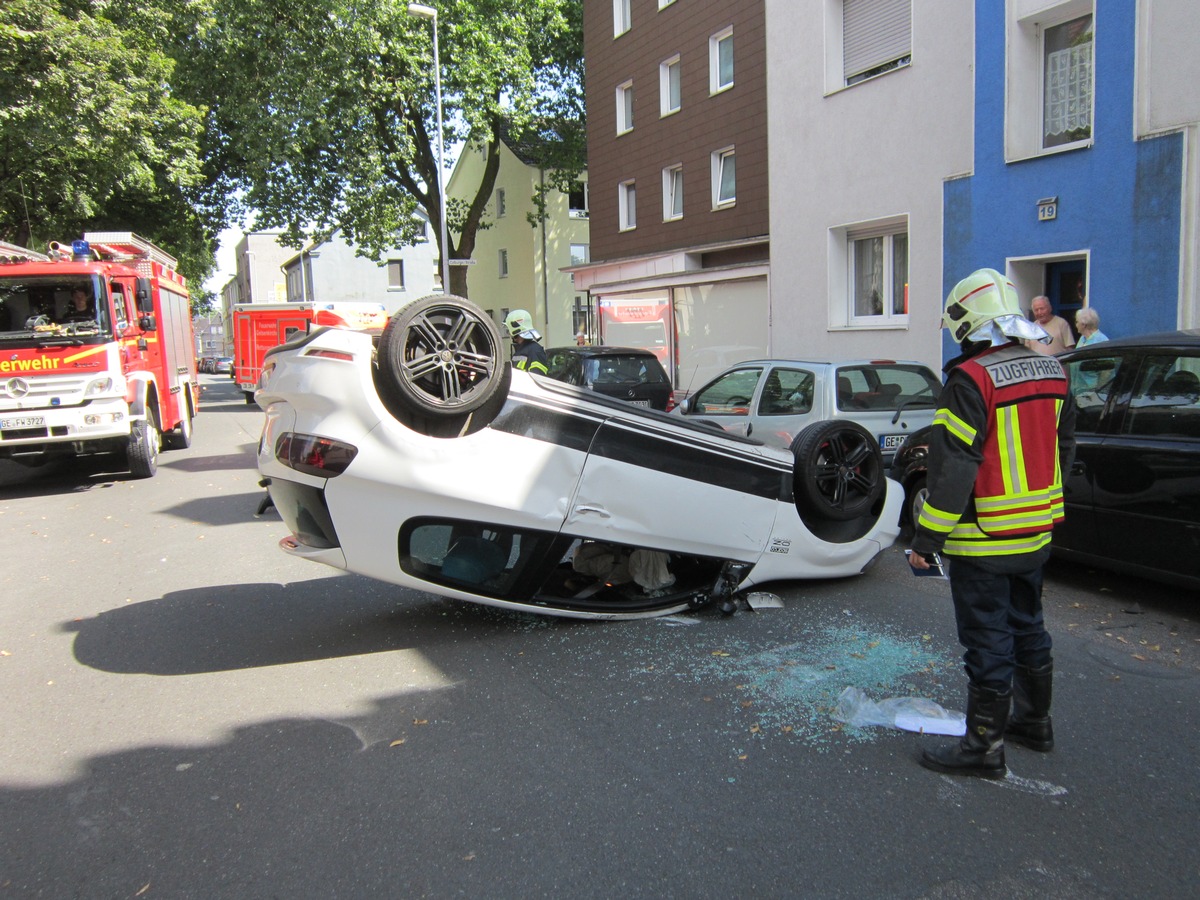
[1066, 286]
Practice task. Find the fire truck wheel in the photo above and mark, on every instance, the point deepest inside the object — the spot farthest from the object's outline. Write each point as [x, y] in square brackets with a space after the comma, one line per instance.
[181, 437]
[838, 474]
[142, 451]
[441, 368]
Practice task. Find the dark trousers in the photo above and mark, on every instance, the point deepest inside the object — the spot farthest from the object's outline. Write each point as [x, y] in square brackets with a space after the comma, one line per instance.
[999, 619]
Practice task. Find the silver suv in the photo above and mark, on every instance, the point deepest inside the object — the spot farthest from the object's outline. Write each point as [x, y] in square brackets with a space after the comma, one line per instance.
[772, 400]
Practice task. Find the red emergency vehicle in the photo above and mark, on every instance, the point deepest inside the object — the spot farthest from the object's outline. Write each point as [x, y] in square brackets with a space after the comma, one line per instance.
[257, 327]
[96, 352]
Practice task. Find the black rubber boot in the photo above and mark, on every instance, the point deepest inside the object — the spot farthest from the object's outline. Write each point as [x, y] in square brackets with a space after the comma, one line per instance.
[981, 750]
[1030, 724]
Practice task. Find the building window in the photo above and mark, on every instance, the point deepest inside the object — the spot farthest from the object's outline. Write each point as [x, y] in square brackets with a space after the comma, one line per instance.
[503, 264]
[668, 86]
[720, 61]
[627, 205]
[672, 193]
[579, 254]
[724, 178]
[625, 107]
[395, 273]
[876, 38]
[577, 201]
[1051, 73]
[501, 205]
[869, 274]
[1067, 82]
[621, 21]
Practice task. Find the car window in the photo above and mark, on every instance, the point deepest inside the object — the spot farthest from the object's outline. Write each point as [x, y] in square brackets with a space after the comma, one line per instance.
[729, 395]
[1166, 399]
[886, 387]
[480, 558]
[787, 392]
[626, 369]
[566, 366]
[1091, 382]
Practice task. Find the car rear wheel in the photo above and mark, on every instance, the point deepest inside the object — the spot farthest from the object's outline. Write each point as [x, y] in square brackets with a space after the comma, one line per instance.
[838, 473]
[918, 492]
[441, 366]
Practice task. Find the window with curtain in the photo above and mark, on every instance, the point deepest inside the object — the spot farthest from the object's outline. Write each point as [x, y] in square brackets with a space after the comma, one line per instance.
[1067, 81]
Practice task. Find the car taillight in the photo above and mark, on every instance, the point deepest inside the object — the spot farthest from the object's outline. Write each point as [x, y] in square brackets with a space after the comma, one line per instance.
[322, 457]
[329, 354]
[671, 404]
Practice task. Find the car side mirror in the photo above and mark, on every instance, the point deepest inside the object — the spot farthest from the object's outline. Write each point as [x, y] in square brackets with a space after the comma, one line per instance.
[147, 323]
[684, 405]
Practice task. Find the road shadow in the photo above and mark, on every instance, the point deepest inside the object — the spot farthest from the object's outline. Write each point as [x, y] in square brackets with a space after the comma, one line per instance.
[70, 475]
[245, 626]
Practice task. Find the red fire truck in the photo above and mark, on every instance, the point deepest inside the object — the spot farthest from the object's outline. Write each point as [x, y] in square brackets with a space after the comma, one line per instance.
[96, 352]
[257, 327]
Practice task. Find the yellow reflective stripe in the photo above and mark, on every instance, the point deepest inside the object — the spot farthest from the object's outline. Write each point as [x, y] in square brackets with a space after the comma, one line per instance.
[1034, 518]
[1012, 457]
[955, 426]
[539, 367]
[1016, 501]
[996, 546]
[936, 519]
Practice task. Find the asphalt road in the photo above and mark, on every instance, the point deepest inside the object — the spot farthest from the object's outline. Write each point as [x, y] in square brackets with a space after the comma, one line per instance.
[188, 712]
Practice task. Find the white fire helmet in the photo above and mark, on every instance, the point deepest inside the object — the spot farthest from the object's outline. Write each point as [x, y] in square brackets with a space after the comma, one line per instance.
[519, 323]
[984, 307]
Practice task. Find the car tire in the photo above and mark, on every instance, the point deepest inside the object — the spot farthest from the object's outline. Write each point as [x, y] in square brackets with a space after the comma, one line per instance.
[441, 368]
[914, 499]
[141, 452]
[838, 473]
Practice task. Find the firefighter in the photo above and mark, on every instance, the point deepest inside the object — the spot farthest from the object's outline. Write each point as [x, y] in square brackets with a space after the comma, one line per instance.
[528, 353]
[1002, 438]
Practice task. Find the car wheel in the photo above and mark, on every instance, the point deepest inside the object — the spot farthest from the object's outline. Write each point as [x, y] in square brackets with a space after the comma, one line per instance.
[917, 494]
[441, 366]
[142, 450]
[839, 470]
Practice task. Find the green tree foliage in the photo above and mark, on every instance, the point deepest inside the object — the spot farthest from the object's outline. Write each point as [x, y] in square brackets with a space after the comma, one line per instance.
[92, 136]
[322, 113]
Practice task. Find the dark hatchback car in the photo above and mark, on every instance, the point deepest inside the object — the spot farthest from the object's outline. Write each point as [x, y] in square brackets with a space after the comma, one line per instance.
[1132, 495]
[635, 376]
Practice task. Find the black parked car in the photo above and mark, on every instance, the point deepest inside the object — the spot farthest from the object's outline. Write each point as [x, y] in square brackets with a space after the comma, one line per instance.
[1133, 493]
[626, 373]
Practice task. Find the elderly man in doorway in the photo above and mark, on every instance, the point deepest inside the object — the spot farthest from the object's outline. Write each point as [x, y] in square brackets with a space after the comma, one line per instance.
[1061, 337]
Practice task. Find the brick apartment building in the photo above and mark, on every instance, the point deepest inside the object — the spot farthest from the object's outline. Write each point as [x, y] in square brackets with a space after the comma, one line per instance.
[678, 181]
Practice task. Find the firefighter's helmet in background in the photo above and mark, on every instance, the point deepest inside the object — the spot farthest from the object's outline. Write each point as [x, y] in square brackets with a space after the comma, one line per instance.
[984, 307]
[519, 323]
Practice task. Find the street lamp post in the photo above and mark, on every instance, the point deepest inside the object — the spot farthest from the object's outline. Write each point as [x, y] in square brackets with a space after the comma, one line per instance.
[428, 12]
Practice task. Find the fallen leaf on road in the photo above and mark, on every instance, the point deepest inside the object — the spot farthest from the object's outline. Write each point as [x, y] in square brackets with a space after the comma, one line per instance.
[397, 743]
[420, 721]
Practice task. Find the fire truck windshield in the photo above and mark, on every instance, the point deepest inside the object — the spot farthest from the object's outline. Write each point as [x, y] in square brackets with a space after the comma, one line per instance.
[52, 305]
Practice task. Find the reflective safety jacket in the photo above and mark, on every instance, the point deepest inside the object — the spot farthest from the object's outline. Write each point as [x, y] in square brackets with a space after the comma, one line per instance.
[998, 449]
[531, 356]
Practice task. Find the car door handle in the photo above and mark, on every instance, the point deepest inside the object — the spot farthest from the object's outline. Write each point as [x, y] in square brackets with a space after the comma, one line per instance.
[598, 510]
[749, 428]
[1078, 468]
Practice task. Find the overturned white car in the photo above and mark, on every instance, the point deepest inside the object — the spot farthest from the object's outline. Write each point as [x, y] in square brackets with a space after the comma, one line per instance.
[428, 462]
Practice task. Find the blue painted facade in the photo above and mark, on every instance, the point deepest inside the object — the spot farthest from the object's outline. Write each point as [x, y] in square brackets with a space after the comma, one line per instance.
[1119, 199]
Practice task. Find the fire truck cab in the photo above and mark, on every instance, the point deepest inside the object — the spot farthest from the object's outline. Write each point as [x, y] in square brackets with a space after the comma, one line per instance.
[96, 352]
